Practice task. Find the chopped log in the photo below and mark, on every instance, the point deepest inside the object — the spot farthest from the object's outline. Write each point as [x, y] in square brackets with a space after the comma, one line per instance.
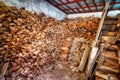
[4, 69]
[107, 38]
[104, 76]
[107, 33]
[84, 59]
[109, 47]
[107, 69]
[108, 62]
[118, 56]
[111, 18]
[118, 53]
[15, 68]
[109, 27]
[114, 58]
[118, 16]
[108, 22]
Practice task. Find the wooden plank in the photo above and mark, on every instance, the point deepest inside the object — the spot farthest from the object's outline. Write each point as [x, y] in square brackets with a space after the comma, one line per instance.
[84, 59]
[104, 13]
[104, 76]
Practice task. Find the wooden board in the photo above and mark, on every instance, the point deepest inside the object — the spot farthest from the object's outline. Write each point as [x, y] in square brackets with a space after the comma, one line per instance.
[84, 59]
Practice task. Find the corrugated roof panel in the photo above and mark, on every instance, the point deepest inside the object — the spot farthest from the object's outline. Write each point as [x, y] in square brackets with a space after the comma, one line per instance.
[85, 5]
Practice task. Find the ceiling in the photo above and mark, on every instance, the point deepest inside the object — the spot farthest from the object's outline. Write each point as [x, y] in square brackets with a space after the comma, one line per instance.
[83, 6]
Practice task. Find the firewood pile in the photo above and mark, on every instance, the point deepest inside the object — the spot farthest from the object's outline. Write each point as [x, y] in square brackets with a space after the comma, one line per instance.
[109, 58]
[32, 42]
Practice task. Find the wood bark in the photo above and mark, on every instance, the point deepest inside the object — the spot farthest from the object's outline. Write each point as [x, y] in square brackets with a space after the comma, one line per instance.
[104, 76]
[108, 70]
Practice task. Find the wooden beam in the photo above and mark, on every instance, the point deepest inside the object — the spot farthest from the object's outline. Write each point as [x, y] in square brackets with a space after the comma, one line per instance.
[104, 13]
[91, 62]
[84, 59]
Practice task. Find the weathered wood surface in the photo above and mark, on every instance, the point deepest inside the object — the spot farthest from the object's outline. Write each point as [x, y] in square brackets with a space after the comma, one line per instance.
[105, 76]
[110, 22]
[84, 59]
[108, 69]
[109, 27]
[108, 33]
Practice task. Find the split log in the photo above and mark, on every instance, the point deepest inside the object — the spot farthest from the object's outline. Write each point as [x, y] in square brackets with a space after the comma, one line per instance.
[118, 56]
[104, 76]
[109, 47]
[4, 69]
[108, 62]
[118, 53]
[107, 33]
[107, 69]
[109, 27]
[109, 22]
[111, 18]
[106, 39]
[118, 16]
[84, 59]
[91, 61]
[114, 58]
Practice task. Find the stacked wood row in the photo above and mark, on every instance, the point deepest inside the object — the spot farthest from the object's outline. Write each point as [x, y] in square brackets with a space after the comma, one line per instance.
[29, 42]
[109, 57]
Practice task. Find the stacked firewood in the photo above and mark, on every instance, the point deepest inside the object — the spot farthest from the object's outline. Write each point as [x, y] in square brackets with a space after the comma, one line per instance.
[29, 41]
[109, 66]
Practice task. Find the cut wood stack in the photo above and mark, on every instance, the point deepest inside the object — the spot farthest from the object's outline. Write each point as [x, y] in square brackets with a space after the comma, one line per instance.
[108, 59]
[32, 42]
